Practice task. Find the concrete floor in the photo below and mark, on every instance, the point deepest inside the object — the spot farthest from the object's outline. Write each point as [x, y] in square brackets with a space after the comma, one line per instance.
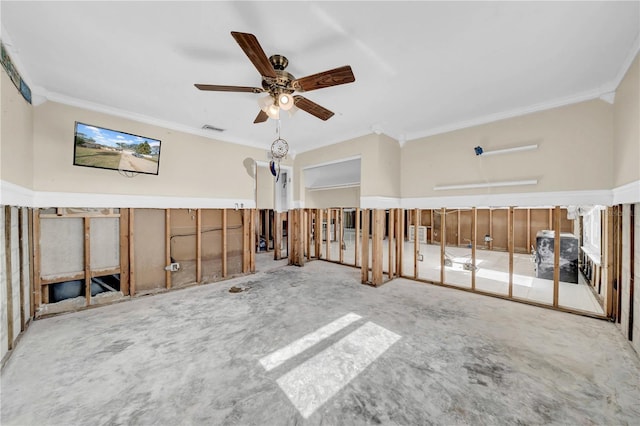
[312, 346]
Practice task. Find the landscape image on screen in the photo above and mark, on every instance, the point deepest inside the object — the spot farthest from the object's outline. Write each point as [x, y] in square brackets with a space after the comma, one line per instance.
[109, 149]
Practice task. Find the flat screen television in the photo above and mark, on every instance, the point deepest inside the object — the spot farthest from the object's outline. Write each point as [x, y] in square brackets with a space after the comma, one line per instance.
[110, 149]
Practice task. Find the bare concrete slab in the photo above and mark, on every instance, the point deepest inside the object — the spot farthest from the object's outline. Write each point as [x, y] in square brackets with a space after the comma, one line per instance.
[405, 353]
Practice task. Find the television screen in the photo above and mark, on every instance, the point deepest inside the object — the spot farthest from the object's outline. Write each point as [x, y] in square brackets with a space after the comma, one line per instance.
[110, 149]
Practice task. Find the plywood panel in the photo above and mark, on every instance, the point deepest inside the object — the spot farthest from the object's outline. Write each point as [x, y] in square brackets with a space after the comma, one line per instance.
[465, 227]
[234, 242]
[425, 217]
[105, 243]
[211, 245]
[520, 231]
[61, 247]
[149, 249]
[437, 220]
[183, 246]
[499, 229]
[451, 223]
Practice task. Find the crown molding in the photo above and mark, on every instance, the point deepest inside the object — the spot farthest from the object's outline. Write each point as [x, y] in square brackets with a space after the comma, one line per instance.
[631, 56]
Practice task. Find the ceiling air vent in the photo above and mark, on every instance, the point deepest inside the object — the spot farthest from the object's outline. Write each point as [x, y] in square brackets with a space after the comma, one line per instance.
[214, 128]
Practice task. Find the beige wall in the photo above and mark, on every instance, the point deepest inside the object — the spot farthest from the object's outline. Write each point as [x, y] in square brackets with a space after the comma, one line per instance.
[264, 188]
[385, 179]
[626, 128]
[190, 165]
[16, 135]
[338, 197]
[379, 167]
[574, 153]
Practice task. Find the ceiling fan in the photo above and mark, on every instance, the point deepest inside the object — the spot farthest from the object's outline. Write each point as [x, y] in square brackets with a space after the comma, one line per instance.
[280, 85]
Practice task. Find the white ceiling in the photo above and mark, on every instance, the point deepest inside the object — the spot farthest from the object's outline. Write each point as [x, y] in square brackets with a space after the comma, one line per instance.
[421, 67]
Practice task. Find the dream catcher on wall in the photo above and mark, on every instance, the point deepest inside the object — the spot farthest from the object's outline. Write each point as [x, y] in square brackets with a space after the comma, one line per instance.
[279, 150]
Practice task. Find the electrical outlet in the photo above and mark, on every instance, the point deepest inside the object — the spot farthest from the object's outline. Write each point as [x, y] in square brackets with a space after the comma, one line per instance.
[173, 267]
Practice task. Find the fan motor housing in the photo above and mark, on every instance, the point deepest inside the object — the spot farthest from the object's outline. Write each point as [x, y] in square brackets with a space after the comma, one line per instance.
[282, 83]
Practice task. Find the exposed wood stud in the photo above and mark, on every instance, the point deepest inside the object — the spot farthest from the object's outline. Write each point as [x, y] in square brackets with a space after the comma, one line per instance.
[510, 248]
[318, 234]
[199, 246]
[632, 248]
[224, 243]
[308, 224]
[619, 261]
[8, 274]
[340, 233]
[474, 237]
[328, 235]
[296, 253]
[377, 252]
[364, 270]
[431, 224]
[458, 234]
[252, 242]
[608, 261]
[266, 218]
[32, 298]
[167, 247]
[390, 247]
[21, 265]
[246, 241]
[443, 240]
[132, 254]
[556, 256]
[87, 259]
[416, 242]
[277, 236]
[490, 229]
[528, 230]
[357, 261]
[37, 285]
[400, 241]
[124, 251]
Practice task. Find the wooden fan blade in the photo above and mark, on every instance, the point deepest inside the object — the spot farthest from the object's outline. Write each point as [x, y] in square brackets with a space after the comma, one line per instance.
[218, 88]
[312, 108]
[261, 117]
[249, 44]
[329, 78]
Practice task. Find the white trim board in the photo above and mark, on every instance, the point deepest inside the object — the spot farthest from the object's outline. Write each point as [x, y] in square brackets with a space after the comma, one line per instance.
[15, 195]
[627, 194]
[380, 202]
[532, 199]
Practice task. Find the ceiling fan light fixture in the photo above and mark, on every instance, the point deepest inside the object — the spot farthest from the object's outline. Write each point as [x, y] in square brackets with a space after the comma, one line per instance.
[285, 101]
[291, 111]
[273, 112]
[265, 103]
